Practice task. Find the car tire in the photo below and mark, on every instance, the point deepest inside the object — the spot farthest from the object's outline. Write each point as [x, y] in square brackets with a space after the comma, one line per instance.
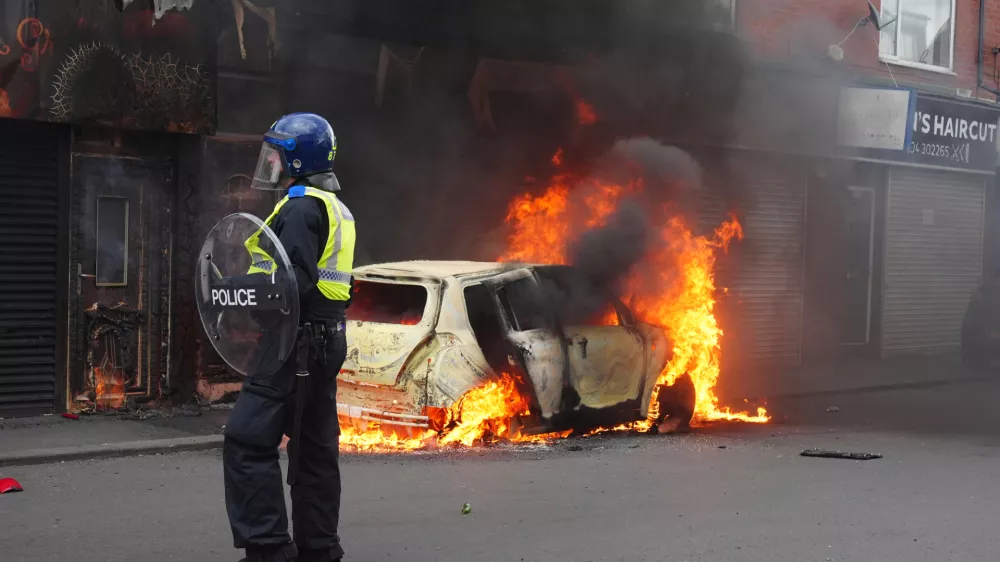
[676, 403]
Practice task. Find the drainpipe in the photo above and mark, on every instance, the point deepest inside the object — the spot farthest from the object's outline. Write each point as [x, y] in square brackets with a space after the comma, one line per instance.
[979, 57]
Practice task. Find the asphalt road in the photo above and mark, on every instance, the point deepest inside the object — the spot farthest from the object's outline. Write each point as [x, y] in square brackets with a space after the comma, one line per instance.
[719, 494]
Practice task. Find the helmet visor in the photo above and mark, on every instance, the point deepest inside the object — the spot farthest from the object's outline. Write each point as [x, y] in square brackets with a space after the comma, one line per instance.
[270, 168]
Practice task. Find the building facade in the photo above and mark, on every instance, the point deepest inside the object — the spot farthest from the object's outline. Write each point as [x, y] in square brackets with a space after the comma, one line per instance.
[95, 106]
[889, 229]
[125, 133]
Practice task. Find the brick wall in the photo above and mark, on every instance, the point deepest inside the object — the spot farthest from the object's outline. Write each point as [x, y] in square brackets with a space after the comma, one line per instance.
[783, 29]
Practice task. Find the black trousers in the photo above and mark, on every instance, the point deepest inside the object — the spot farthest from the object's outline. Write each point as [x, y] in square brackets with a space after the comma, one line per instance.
[255, 498]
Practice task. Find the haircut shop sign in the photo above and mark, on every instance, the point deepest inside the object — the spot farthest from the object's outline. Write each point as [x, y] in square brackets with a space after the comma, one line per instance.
[897, 125]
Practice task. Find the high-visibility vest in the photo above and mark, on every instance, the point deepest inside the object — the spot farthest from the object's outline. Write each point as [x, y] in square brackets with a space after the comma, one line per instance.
[337, 260]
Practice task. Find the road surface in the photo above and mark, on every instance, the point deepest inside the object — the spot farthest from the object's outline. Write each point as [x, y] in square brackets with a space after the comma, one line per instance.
[719, 494]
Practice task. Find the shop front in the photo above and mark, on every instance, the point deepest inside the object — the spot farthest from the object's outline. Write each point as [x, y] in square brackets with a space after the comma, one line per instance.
[914, 221]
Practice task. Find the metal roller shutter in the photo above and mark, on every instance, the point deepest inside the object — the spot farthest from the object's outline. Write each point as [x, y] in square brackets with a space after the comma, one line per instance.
[770, 281]
[29, 227]
[767, 289]
[933, 260]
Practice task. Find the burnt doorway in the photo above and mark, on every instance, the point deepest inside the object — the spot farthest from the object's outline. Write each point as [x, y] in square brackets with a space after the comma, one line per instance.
[121, 265]
[860, 229]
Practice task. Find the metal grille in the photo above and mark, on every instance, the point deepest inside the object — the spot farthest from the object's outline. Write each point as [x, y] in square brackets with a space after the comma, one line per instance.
[28, 263]
[934, 248]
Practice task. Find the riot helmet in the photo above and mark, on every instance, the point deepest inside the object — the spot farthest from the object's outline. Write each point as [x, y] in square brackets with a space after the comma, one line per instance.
[298, 146]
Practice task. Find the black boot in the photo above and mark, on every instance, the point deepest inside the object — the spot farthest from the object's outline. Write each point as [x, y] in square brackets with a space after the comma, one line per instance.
[335, 554]
[282, 553]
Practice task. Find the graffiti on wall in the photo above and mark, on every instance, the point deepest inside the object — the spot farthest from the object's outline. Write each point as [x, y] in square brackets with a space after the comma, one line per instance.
[19, 61]
[99, 66]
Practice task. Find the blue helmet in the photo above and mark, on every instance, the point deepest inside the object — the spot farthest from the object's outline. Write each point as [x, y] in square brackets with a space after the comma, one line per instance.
[297, 145]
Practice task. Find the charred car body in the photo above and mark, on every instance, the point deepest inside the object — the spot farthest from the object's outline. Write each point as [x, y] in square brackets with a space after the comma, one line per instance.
[422, 334]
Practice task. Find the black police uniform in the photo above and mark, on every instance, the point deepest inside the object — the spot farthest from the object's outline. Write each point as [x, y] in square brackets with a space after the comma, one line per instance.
[264, 412]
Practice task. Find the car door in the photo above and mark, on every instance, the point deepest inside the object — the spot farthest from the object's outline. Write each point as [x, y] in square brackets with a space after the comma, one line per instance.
[607, 358]
[533, 345]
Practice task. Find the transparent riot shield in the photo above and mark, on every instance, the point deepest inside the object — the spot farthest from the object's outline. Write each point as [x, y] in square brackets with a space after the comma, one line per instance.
[246, 294]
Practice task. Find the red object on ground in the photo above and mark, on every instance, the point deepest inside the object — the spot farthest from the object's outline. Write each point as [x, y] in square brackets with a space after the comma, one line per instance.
[71, 416]
[9, 485]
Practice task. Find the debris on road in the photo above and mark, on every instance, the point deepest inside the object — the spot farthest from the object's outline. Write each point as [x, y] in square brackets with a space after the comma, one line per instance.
[71, 416]
[820, 453]
[9, 485]
[833, 409]
[466, 509]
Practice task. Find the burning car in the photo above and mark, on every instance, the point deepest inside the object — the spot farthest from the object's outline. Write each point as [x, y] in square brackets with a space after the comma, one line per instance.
[423, 334]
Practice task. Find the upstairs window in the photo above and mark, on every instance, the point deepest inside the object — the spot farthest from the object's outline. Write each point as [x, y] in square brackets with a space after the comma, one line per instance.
[920, 33]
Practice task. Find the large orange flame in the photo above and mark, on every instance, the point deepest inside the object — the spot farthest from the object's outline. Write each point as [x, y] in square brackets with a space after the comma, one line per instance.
[683, 304]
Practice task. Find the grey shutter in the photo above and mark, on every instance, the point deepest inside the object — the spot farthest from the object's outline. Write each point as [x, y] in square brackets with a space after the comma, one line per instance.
[933, 257]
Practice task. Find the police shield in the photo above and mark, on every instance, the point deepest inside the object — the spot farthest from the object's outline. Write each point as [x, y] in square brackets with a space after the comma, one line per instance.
[246, 294]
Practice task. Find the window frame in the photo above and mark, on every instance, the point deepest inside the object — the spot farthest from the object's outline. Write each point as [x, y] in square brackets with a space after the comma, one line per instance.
[896, 60]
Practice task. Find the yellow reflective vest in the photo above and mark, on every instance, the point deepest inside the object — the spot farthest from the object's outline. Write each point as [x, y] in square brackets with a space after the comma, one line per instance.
[337, 259]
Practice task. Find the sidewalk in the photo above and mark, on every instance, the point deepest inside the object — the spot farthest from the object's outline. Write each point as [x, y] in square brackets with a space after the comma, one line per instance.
[54, 438]
[45, 439]
[847, 377]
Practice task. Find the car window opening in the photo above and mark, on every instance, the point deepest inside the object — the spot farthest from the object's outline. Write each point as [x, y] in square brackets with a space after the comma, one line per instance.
[387, 303]
[523, 301]
[578, 301]
[486, 326]
[606, 315]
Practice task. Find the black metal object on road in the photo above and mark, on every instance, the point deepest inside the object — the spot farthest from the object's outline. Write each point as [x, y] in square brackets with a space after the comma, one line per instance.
[820, 453]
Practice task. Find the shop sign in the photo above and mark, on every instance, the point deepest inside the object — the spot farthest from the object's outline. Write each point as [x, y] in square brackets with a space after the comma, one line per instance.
[943, 134]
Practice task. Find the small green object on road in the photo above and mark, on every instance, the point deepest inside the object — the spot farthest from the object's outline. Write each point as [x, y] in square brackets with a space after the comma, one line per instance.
[466, 509]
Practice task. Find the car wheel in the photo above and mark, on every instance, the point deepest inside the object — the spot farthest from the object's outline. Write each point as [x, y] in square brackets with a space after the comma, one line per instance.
[676, 404]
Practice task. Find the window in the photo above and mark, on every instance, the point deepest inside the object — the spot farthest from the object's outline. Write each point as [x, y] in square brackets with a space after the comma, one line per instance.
[387, 303]
[112, 242]
[919, 32]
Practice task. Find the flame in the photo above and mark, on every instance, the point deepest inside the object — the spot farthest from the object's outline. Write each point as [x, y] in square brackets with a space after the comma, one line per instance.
[485, 415]
[5, 110]
[410, 320]
[684, 305]
[109, 389]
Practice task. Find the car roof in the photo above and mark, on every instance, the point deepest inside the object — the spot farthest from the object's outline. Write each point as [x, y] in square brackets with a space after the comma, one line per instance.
[433, 269]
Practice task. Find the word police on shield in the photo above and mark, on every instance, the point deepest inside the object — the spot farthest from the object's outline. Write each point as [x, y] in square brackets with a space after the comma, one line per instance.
[247, 296]
[234, 297]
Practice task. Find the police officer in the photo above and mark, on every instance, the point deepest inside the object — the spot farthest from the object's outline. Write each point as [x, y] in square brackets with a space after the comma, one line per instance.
[317, 232]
